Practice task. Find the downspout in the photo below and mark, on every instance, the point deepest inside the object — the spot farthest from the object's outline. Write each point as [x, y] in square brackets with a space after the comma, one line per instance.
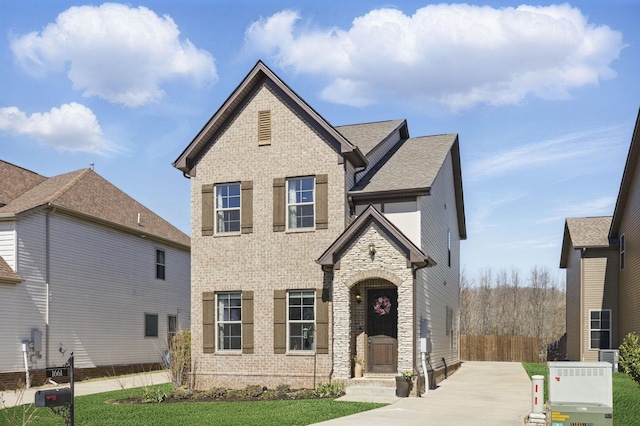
[413, 315]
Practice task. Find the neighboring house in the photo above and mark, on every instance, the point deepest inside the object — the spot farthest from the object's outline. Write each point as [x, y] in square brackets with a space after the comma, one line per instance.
[84, 268]
[602, 258]
[592, 287]
[314, 244]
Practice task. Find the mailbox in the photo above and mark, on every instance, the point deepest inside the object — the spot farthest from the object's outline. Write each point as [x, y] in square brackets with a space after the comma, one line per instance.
[53, 397]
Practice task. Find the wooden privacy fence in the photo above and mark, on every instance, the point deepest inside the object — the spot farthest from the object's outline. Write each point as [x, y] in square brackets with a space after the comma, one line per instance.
[499, 348]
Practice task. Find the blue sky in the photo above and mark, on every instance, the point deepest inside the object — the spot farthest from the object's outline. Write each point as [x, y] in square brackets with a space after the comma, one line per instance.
[544, 97]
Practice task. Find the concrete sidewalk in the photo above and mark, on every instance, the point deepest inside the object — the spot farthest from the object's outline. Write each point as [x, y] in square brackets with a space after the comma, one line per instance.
[479, 393]
[88, 387]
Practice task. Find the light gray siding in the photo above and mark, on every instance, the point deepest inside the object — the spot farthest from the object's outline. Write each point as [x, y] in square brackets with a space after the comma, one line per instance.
[24, 304]
[8, 243]
[101, 283]
[438, 287]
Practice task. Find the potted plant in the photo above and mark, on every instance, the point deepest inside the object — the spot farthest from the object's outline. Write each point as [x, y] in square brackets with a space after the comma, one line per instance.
[357, 366]
[403, 384]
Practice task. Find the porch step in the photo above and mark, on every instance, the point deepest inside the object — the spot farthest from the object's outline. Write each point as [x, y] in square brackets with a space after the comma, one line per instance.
[372, 386]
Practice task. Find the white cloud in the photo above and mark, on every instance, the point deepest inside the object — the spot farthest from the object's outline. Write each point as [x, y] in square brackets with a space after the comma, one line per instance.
[72, 127]
[481, 213]
[590, 144]
[602, 206]
[116, 52]
[456, 55]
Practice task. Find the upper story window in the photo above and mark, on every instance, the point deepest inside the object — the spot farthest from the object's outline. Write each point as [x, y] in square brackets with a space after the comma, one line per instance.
[300, 203]
[227, 206]
[622, 251]
[301, 316]
[229, 315]
[160, 264]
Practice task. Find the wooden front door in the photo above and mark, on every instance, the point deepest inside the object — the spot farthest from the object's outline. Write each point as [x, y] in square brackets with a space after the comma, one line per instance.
[382, 330]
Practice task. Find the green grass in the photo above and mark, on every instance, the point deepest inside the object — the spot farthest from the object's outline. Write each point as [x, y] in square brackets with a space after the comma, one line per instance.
[626, 395]
[94, 410]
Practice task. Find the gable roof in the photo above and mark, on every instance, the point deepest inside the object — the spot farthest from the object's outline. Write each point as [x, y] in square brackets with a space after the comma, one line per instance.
[414, 255]
[7, 275]
[84, 193]
[367, 136]
[15, 181]
[584, 233]
[631, 168]
[256, 77]
[410, 168]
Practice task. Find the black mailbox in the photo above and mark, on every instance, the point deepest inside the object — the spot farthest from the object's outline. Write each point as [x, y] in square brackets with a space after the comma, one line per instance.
[53, 397]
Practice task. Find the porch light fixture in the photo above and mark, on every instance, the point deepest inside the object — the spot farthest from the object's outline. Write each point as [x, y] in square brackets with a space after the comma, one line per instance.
[372, 249]
[358, 298]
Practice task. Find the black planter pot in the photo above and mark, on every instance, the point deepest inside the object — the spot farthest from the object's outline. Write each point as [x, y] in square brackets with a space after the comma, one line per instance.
[403, 387]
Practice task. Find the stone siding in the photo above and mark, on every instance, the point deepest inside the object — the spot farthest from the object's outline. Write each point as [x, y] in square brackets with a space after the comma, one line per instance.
[359, 269]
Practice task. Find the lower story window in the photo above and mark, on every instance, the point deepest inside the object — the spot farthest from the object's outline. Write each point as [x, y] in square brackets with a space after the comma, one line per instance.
[229, 315]
[150, 325]
[600, 329]
[301, 320]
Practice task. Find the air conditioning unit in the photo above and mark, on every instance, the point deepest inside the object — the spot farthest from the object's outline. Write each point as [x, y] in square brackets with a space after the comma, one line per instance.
[580, 393]
[611, 356]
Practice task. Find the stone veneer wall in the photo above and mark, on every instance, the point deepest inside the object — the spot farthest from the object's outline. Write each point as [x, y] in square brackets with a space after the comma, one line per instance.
[356, 265]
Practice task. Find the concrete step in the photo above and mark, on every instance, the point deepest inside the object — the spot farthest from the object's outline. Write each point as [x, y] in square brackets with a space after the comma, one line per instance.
[372, 386]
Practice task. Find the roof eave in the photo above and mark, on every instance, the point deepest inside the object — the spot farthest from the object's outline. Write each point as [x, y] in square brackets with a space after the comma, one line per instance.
[185, 162]
[394, 193]
[626, 182]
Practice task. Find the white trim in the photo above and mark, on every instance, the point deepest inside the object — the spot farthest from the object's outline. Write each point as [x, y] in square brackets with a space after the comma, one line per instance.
[217, 209]
[600, 329]
[220, 322]
[290, 321]
[301, 203]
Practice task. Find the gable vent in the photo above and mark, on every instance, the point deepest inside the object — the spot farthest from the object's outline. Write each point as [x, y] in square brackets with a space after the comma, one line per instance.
[264, 127]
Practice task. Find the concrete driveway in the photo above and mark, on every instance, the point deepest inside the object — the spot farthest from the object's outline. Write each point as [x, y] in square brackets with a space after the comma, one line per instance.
[479, 393]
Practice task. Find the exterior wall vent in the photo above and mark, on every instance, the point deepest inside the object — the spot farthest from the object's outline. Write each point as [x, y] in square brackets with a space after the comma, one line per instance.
[264, 127]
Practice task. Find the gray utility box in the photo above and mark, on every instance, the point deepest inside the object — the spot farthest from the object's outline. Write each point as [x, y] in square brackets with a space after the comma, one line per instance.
[581, 382]
[580, 393]
[569, 414]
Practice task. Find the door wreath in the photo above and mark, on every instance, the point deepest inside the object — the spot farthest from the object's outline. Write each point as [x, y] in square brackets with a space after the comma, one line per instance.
[382, 305]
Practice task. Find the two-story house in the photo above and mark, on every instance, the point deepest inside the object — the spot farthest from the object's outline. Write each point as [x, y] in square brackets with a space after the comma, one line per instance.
[602, 259]
[85, 268]
[315, 244]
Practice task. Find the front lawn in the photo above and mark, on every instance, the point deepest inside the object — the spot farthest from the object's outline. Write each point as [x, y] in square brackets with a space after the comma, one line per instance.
[95, 410]
[626, 395]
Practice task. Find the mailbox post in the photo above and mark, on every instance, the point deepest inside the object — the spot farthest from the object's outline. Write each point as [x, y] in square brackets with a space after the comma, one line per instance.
[59, 399]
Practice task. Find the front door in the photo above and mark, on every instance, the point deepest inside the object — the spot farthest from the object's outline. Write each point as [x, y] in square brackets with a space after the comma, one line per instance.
[382, 330]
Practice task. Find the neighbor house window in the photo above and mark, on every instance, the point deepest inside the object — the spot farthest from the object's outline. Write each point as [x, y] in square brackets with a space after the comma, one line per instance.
[622, 251]
[172, 327]
[449, 246]
[160, 264]
[150, 325]
[301, 317]
[300, 203]
[600, 329]
[229, 315]
[227, 214]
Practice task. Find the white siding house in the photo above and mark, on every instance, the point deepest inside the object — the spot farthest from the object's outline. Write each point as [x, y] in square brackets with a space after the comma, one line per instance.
[89, 278]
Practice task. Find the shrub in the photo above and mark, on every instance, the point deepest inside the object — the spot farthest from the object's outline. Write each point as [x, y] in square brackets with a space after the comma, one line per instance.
[179, 358]
[330, 389]
[629, 361]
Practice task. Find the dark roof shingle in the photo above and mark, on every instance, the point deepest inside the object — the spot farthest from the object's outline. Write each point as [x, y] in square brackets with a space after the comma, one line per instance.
[85, 193]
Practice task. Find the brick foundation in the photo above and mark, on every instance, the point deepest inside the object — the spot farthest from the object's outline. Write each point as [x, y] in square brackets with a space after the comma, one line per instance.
[16, 380]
